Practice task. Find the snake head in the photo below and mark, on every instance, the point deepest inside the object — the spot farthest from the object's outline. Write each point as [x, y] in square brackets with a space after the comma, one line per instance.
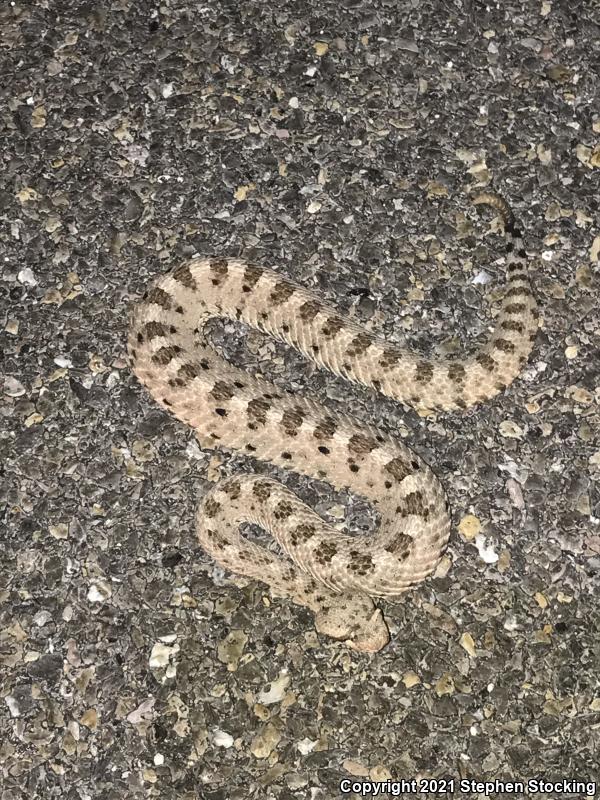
[371, 637]
[356, 621]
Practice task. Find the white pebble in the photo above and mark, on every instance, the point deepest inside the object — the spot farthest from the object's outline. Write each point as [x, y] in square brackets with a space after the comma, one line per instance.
[12, 706]
[276, 690]
[13, 387]
[26, 277]
[99, 592]
[306, 746]
[222, 739]
[487, 552]
[42, 618]
[482, 277]
[160, 655]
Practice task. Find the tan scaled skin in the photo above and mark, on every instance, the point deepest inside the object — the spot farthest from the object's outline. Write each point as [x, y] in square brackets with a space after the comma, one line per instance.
[333, 574]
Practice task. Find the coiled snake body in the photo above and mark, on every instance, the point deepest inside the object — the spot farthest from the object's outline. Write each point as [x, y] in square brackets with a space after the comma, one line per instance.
[333, 574]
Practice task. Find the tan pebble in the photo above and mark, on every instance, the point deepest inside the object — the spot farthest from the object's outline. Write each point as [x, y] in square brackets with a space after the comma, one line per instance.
[69, 744]
[231, 649]
[58, 374]
[443, 566]
[503, 560]
[556, 291]
[90, 719]
[510, 429]
[582, 218]
[337, 511]
[444, 685]
[60, 531]
[551, 239]
[583, 276]
[467, 643]
[552, 212]
[242, 191]
[594, 459]
[52, 224]
[27, 194]
[469, 526]
[380, 773]
[262, 712]
[580, 395]
[436, 189]
[583, 154]
[544, 154]
[132, 470]
[97, 365]
[31, 656]
[355, 768]
[410, 679]
[38, 117]
[52, 297]
[543, 636]
[266, 741]
[143, 450]
[583, 505]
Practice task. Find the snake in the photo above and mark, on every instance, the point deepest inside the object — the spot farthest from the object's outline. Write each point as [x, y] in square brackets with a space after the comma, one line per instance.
[338, 576]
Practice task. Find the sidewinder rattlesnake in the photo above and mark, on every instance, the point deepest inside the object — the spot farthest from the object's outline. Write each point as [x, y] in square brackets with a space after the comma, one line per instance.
[333, 574]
